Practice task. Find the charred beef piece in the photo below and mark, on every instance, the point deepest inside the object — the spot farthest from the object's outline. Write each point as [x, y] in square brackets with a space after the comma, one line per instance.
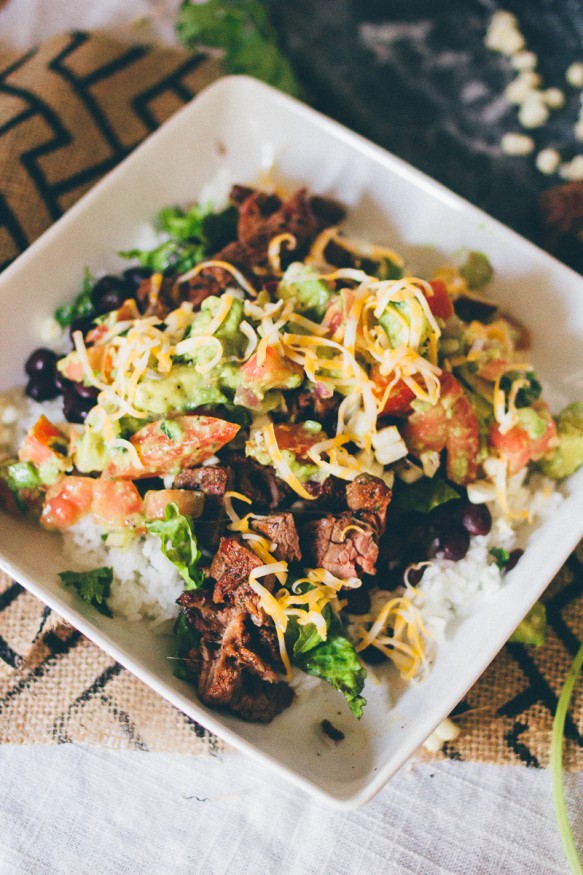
[329, 496]
[237, 662]
[258, 482]
[213, 481]
[368, 498]
[231, 568]
[280, 529]
[307, 404]
[210, 281]
[326, 543]
[158, 297]
[296, 216]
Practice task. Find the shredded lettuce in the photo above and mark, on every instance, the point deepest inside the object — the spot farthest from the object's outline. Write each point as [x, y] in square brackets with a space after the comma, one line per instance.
[179, 545]
[93, 586]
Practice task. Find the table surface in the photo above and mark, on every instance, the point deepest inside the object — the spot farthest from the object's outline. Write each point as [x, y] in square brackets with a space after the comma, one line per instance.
[397, 75]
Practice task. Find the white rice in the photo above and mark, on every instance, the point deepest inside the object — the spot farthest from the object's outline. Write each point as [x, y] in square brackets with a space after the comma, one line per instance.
[450, 590]
[145, 584]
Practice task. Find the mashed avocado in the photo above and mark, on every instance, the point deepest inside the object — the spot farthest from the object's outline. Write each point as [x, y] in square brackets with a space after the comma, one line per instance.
[568, 456]
[302, 284]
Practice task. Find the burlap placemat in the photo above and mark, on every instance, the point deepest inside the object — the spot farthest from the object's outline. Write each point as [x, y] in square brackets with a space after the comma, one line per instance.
[69, 112]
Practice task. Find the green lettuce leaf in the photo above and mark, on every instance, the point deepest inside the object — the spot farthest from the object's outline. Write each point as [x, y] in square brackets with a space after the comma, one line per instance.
[423, 495]
[179, 544]
[336, 662]
[93, 586]
[186, 639]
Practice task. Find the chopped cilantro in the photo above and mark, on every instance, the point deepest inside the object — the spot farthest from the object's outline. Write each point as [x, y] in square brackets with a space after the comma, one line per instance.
[500, 556]
[82, 305]
[171, 429]
[526, 395]
[93, 586]
[241, 28]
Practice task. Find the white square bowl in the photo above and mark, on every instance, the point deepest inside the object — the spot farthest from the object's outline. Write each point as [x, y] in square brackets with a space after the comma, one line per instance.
[238, 127]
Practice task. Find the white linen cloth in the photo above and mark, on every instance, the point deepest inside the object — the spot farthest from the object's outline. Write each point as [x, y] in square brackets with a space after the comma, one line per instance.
[90, 811]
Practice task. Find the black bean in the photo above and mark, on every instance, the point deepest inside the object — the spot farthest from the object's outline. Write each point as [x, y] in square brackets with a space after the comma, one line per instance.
[372, 655]
[358, 601]
[413, 575]
[59, 381]
[513, 559]
[41, 361]
[75, 408]
[469, 309]
[88, 393]
[110, 292]
[83, 324]
[476, 519]
[41, 388]
[135, 275]
[452, 543]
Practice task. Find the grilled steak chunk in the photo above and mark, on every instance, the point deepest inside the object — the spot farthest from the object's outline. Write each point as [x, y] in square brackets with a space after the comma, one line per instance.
[211, 479]
[326, 543]
[280, 529]
[368, 498]
[236, 662]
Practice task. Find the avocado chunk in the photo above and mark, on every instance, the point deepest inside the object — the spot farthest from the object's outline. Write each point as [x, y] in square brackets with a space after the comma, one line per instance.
[568, 456]
[302, 284]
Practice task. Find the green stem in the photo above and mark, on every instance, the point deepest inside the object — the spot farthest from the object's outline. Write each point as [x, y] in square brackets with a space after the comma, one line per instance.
[557, 764]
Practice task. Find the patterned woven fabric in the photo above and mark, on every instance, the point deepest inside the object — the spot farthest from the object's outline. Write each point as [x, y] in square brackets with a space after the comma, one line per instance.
[70, 111]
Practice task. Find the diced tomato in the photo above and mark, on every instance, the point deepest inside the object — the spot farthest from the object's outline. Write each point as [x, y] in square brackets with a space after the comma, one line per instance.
[189, 503]
[462, 443]
[274, 372]
[67, 501]
[297, 439]
[100, 359]
[449, 425]
[516, 445]
[439, 302]
[116, 504]
[399, 401]
[492, 370]
[193, 439]
[45, 443]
